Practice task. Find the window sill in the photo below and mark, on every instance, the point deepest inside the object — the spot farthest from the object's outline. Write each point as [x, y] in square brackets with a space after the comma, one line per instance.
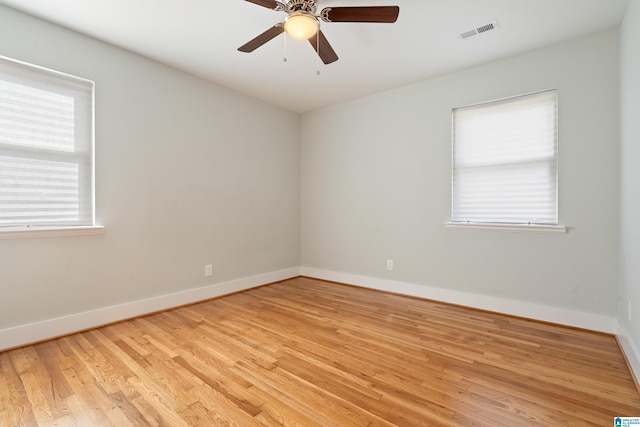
[25, 233]
[534, 228]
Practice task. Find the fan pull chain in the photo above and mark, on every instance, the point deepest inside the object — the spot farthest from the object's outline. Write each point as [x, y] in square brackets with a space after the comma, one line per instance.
[284, 57]
[318, 52]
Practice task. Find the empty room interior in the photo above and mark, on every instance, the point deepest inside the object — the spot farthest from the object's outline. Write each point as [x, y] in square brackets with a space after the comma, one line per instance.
[273, 235]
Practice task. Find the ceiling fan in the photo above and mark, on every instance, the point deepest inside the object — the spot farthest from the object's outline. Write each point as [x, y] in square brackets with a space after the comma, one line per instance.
[303, 23]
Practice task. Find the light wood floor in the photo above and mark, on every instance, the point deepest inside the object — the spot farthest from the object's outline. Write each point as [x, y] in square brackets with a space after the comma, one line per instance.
[311, 353]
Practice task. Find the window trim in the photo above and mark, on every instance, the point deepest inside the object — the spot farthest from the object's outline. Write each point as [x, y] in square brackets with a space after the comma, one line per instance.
[21, 232]
[527, 228]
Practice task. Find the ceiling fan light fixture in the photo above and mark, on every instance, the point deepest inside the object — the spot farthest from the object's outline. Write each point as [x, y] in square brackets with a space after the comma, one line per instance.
[301, 26]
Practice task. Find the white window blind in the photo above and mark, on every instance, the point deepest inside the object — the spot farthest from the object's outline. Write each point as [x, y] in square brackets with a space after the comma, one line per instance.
[505, 161]
[46, 147]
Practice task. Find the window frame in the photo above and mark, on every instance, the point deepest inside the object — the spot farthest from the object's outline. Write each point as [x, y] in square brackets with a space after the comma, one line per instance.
[555, 227]
[64, 83]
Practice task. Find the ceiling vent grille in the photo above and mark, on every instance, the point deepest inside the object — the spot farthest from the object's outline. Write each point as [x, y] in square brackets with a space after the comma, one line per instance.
[489, 26]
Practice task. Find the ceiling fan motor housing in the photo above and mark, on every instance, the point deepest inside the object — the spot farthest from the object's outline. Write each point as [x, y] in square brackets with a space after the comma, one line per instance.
[302, 6]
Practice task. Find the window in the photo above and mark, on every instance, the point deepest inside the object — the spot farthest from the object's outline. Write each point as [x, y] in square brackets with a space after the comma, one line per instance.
[46, 148]
[505, 161]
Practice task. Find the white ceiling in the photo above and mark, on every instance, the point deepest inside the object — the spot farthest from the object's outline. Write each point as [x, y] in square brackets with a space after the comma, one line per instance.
[202, 37]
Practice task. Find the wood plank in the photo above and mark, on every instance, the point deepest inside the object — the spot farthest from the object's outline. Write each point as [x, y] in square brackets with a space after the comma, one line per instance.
[16, 409]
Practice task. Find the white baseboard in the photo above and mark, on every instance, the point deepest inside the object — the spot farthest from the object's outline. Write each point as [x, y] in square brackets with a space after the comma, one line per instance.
[631, 351]
[29, 333]
[563, 316]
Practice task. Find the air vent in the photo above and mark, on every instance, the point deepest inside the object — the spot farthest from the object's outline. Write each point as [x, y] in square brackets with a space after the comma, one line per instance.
[489, 26]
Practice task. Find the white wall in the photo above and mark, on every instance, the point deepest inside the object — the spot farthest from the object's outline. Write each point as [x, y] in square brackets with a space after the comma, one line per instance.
[630, 181]
[188, 173]
[376, 186]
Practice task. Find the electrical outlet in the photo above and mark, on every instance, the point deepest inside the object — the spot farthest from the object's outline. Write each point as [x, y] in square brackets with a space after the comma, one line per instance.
[389, 264]
[208, 270]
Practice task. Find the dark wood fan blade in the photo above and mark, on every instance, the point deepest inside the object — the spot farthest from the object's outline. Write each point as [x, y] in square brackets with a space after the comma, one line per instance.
[325, 51]
[270, 4]
[262, 38]
[387, 14]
